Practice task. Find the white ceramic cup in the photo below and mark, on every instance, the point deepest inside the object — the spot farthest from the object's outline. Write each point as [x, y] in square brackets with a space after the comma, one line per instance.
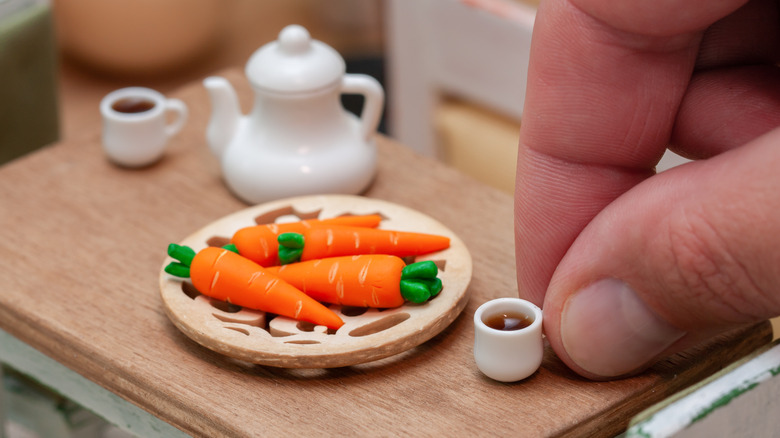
[508, 355]
[135, 139]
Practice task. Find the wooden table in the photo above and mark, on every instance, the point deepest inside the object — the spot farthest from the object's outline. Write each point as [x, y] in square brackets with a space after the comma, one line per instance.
[83, 242]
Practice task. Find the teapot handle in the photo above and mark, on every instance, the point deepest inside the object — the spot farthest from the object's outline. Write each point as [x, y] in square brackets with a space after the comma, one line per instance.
[375, 99]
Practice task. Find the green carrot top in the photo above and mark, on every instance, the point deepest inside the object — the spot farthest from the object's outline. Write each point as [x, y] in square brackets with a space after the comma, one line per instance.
[184, 255]
[420, 281]
[290, 247]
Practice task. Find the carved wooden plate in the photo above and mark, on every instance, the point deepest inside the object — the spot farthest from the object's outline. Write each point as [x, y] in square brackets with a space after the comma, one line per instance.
[367, 334]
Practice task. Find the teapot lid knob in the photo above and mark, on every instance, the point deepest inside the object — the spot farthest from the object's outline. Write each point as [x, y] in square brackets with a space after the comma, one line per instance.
[294, 39]
[294, 63]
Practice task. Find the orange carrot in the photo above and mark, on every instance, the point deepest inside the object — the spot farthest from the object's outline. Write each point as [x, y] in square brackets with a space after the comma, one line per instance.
[375, 280]
[335, 241]
[258, 243]
[224, 275]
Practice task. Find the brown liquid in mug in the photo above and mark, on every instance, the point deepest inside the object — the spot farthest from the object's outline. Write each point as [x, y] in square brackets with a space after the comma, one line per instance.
[508, 321]
[132, 105]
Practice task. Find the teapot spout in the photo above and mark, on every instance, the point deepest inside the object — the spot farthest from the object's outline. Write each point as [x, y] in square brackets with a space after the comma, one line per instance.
[225, 114]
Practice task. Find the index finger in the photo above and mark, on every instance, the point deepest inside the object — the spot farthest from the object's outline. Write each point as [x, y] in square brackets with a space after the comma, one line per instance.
[604, 86]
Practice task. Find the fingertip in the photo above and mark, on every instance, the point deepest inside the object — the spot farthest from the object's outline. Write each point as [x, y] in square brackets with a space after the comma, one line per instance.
[606, 330]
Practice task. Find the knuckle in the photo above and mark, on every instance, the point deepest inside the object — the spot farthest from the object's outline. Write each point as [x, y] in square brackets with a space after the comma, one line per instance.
[708, 268]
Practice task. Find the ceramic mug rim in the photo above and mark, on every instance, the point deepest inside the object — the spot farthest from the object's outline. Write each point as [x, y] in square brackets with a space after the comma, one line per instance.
[508, 303]
[142, 92]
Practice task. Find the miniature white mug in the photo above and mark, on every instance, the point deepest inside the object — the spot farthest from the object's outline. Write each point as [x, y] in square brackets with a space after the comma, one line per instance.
[135, 128]
[508, 354]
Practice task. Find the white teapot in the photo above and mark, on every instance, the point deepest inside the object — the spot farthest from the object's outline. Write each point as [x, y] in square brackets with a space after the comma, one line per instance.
[298, 139]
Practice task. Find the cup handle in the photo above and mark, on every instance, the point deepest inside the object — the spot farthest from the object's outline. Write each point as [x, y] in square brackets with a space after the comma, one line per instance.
[180, 108]
[375, 99]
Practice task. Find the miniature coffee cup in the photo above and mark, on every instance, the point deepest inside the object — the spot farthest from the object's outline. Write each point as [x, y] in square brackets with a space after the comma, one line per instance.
[508, 342]
[135, 126]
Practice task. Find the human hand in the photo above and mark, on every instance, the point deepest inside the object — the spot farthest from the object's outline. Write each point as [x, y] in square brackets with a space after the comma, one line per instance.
[632, 266]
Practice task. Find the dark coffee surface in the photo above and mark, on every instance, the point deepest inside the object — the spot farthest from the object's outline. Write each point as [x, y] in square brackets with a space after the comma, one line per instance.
[508, 321]
[132, 105]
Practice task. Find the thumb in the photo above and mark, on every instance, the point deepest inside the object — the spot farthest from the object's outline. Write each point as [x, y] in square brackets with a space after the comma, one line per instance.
[684, 255]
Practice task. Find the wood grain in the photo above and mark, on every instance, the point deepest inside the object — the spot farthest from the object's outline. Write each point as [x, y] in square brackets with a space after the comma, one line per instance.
[83, 242]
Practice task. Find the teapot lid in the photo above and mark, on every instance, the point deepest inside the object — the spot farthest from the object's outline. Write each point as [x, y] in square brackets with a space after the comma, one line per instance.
[294, 63]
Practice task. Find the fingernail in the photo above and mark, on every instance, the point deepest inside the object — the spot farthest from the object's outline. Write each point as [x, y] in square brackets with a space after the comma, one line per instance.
[608, 331]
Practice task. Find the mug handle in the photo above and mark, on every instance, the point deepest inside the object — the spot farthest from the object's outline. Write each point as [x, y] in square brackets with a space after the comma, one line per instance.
[375, 99]
[180, 108]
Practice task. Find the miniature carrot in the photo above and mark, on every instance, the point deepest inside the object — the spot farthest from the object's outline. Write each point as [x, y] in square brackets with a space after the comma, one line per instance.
[258, 243]
[224, 275]
[335, 241]
[375, 280]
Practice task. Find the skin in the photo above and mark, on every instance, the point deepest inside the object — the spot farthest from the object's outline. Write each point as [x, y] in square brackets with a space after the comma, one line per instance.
[629, 265]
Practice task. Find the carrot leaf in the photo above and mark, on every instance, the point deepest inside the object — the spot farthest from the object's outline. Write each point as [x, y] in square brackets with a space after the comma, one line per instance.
[419, 281]
[289, 255]
[231, 247]
[291, 240]
[434, 285]
[178, 269]
[414, 291]
[182, 253]
[426, 269]
[290, 247]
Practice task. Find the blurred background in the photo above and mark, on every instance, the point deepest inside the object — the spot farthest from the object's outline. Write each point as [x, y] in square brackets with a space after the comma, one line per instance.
[453, 70]
[164, 44]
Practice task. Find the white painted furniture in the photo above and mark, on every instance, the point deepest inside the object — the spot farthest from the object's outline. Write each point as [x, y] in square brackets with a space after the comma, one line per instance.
[742, 400]
[86, 393]
[474, 50]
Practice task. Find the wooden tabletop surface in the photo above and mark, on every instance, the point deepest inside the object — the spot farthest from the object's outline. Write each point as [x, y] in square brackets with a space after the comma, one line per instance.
[83, 241]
